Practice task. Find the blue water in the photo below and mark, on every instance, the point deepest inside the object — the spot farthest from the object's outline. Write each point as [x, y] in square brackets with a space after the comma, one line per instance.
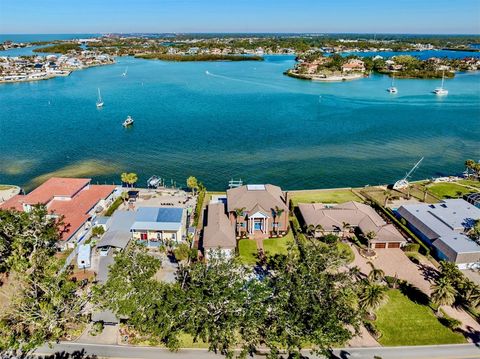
[244, 120]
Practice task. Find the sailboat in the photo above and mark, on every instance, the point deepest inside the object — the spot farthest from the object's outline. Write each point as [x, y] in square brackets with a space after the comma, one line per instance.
[440, 91]
[392, 89]
[99, 101]
[125, 73]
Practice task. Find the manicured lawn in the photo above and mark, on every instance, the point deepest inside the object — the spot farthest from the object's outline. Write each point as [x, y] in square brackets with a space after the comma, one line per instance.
[448, 190]
[470, 183]
[247, 249]
[324, 196]
[274, 246]
[403, 322]
[186, 341]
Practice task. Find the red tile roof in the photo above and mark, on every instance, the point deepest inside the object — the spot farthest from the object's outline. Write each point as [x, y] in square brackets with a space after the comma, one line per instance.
[56, 186]
[75, 210]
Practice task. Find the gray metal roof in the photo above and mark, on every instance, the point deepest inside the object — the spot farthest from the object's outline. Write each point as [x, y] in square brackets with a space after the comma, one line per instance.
[444, 223]
[158, 219]
[103, 264]
[118, 233]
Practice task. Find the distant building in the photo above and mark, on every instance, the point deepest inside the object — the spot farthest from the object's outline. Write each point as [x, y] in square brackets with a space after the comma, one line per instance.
[74, 199]
[354, 65]
[357, 215]
[258, 204]
[444, 227]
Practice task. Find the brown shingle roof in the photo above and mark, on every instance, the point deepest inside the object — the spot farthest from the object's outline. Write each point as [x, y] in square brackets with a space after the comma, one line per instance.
[356, 214]
[265, 196]
[219, 231]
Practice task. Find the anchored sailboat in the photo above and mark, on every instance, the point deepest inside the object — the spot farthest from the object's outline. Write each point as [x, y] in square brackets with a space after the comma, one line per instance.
[99, 100]
[124, 74]
[392, 89]
[440, 91]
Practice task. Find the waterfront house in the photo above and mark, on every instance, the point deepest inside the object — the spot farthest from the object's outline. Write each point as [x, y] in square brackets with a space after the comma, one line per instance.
[334, 219]
[74, 199]
[219, 233]
[353, 65]
[444, 227]
[258, 210]
[158, 225]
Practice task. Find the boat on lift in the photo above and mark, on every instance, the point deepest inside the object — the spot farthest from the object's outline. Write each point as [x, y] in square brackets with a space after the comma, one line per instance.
[128, 122]
[403, 183]
[440, 91]
[99, 100]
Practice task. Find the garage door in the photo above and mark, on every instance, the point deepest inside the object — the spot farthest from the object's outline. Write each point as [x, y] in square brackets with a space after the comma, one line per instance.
[380, 245]
[393, 245]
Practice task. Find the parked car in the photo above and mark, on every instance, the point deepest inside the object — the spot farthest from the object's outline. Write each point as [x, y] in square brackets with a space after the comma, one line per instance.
[104, 251]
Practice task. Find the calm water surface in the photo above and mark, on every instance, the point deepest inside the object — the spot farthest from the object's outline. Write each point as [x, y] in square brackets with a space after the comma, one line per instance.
[242, 120]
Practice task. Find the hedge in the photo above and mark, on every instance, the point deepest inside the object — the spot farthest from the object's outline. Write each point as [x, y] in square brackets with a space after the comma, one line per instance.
[411, 247]
[198, 207]
[114, 206]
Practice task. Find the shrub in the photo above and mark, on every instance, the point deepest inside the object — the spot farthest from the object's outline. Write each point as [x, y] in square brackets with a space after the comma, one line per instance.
[198, 207]
[329, 239]
[97, 328]
[97, 231]
[182, 252]
[114, 206]
[372, 329]
[411, 247]
[413, 257]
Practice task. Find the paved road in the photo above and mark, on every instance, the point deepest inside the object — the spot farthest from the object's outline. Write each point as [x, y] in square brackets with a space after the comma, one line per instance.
[460, 351]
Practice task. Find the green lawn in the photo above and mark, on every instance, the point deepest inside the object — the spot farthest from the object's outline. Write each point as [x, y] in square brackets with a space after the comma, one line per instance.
[448, 190]
[470, 183]
[324, 196]
[274, 246]
[247, 249]
[403, 322]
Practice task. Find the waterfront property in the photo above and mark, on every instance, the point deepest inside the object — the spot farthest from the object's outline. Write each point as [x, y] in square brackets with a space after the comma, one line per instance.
[258, 210]
[156, 225]
[219, 233]
[348, 216]
[74, 199]
[444, 227]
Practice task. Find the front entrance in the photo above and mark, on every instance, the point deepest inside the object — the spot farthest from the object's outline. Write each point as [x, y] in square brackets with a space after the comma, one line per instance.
[258, 226]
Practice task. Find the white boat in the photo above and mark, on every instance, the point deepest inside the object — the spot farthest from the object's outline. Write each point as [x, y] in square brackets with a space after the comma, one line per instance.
[403, 183]
[128, 121]
[440, 91]
[99, 100]
[392, 89]
[126, 72]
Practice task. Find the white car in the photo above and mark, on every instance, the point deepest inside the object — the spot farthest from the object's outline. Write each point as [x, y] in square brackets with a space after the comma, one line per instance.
[104, 251]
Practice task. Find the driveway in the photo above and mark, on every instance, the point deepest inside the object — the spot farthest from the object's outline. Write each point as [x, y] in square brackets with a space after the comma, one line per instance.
[393, 261]
[109, 335]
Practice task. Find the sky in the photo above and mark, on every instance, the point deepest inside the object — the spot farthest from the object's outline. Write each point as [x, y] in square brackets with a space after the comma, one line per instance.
[357, 16]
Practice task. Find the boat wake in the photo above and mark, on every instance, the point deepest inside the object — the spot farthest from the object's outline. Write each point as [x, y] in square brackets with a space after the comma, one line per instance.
[246, 81]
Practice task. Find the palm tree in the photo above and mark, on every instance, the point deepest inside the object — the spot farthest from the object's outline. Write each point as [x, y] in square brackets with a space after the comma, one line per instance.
[129, 178]
[376, 274]
[277, 213]
[370, 237]
[345, 226]
[471, 293]
[239, 212]
[372, 297]
[319, 228]
[310, 230]
[356, 273]
[470, 165]
[443, 293]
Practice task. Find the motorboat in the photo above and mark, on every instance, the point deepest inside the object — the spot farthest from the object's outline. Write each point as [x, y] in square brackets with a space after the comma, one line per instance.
[128, 122]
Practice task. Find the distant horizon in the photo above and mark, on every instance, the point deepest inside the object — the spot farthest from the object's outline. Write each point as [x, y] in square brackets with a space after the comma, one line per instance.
[239, 33]
[240, 16]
